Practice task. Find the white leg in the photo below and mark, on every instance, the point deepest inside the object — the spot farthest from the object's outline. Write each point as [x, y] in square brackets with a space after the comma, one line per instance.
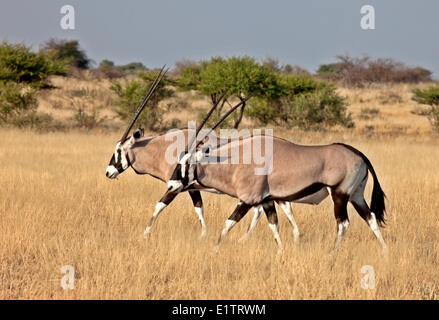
[229, 225]
[158, 208]
[376, 230]
[256, 216]
[200, 213]
[341, 230]
[275, 228]
[286, 207]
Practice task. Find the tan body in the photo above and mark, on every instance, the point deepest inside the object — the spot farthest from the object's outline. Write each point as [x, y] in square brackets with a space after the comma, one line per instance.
[298, 171]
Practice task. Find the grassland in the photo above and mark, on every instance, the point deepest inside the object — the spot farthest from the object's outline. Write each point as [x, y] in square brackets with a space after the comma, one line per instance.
[57, 208]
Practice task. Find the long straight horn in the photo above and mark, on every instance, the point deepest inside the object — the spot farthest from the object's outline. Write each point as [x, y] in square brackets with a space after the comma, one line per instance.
[141, 106]
[201, 125]
[224, 117]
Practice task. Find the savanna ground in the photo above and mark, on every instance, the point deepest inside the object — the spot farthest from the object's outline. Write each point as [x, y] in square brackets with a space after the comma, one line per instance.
[57, 208]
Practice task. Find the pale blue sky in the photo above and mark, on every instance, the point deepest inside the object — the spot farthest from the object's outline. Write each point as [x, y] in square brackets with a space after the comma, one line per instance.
[307, 33]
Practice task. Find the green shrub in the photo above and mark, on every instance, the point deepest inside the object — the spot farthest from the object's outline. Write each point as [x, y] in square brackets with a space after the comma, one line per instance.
[316, 109]
[131, 94]
[87, 120]
[15, 100]
[429, 96]
[35, 120]
[18, 108]
[19, 64]
[302, 102]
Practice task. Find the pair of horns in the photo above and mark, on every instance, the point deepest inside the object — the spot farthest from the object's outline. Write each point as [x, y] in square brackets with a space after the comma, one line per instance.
[190, 147]
[148, 95]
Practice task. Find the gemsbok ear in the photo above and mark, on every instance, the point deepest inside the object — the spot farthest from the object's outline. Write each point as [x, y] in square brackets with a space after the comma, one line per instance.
[202, 153]
[138, 133]
[206, 150]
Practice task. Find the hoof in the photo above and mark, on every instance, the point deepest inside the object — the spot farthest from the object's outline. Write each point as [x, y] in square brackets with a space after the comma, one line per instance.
[147, 233]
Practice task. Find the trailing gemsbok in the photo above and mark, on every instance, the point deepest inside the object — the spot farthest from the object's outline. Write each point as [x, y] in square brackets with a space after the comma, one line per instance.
[299, 173]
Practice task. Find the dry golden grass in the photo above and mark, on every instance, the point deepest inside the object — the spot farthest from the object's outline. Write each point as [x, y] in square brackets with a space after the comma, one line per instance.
[394, 105]
[57, 208]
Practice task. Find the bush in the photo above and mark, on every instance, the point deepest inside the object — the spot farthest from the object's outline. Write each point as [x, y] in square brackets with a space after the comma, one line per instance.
[429, 96]
[87, 120]
[107, 69]
[68, 51]
[15, 100]
[19, 64]
[361, 71]
[18, 108]
[132, 93]
[303, 103]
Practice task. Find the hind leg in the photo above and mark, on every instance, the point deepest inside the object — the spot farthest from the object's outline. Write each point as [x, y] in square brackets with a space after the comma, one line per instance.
[273, 223]
[341, 215]
[256, 216]
[363, 209]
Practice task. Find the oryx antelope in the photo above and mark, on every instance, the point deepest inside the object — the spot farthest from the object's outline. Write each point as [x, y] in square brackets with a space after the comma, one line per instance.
[299, 173]
[146, 156]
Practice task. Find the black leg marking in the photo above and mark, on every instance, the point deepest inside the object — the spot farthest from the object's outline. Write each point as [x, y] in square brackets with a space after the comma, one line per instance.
[163, 203]
[196, 198]
[341, 215]
[239, 212]
[198, 205]
[273, 222]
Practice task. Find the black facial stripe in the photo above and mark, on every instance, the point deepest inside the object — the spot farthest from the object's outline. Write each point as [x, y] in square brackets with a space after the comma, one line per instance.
[118, 164]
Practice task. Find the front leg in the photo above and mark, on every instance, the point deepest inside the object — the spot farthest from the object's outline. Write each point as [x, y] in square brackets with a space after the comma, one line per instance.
[198, 205]
[163, 203]
[239, 212]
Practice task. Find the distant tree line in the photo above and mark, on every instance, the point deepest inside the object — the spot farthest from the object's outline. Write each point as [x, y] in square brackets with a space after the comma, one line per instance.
[358, 72]
[284, 95]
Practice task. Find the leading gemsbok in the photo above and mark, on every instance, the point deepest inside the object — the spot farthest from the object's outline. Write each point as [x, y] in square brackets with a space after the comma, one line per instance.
[298, 172]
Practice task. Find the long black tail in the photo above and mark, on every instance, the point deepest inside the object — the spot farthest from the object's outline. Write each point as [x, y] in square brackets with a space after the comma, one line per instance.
[377, 204]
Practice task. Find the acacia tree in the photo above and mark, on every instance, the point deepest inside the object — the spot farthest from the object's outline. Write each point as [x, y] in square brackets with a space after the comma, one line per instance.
[240, 76]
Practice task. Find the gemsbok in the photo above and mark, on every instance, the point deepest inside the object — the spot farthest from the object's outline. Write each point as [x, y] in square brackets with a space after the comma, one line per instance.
[298, 173]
